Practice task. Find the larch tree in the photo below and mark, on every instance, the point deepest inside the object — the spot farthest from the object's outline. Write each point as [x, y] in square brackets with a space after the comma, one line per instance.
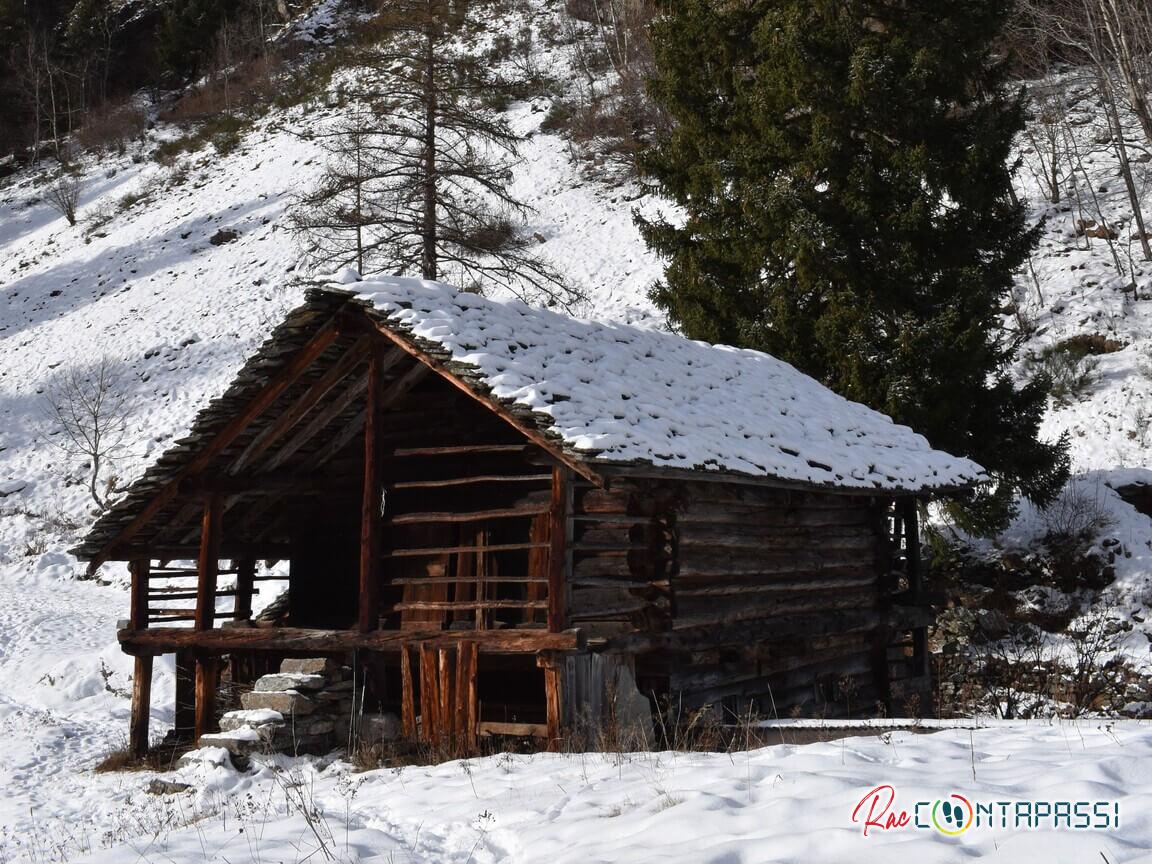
[843, 168]
[418, 174]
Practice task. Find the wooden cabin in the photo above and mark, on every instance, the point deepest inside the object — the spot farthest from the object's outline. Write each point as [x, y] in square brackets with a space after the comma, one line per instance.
[510, 520]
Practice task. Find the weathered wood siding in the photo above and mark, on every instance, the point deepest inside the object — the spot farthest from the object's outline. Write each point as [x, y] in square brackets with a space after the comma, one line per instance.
[698, 566]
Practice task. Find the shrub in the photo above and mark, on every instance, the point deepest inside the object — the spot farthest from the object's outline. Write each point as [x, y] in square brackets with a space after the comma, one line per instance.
[1070, 366]
[63, 197]
[111, 127]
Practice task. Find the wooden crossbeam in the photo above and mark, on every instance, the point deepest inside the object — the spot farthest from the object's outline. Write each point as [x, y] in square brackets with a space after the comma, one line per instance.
[321, 421]
[209, 563]
[371, 517]
[287, 421]
[260, 403]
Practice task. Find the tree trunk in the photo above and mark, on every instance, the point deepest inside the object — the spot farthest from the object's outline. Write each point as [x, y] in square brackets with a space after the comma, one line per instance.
[428, 258]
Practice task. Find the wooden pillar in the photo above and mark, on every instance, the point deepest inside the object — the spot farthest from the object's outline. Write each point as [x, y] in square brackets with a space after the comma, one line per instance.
[911, 517]
[207, 672]
[141, 704]
[429, 697]
[370, 509]
[467, 705]
[407, 697]
[245, 587]
[552, 699]
[185, 713]
[209, 563]
[139, 610]
[558, 552]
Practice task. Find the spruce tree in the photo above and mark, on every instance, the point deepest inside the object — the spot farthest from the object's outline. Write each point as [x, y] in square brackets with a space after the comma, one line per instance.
[843, 168]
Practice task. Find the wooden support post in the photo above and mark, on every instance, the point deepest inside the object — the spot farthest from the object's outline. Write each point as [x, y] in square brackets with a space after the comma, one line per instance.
[185, 702]
[552, 701]
[245, 583]
[912, 547]
[447, 714]
[465, 696]
[139, 569]
[407, 696]
[207, 671]
[141, 704]
[370, 515]
[557, 557]
[428, 696]
[209, 564]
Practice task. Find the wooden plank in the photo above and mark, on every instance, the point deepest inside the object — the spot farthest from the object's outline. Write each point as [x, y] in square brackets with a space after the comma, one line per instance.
[518, 730]
[455, 450]
[245, 588]
[260, 403]
[209, 562]
[467, 580]
[207, 671]
[557, 555]
[288, 420]
[138, 616]
[163, 595]
[407, 696]
[398, 388]
[470, 516]
[469, 481]
[141, 705]
[371, 517]
[528, 431]
[164, 640]
[455, 550]
[448, 605]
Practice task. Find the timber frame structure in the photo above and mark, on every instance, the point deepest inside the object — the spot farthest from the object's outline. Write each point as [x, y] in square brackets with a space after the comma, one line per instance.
[481, 576]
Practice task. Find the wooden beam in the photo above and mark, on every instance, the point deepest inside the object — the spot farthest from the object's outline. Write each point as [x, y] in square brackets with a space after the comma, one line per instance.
[321, 422]
[245, 587]
[184, 714]
[139, 608]
[371, 504]
[165, 640]
[552, 702]
[407, 697]
[492, 404]
[469, 481]
[209, 563]
[269, 483]
[260, 403]
[558, 556]
[283, 424]
[207, 672]
[141, 705]
[469, 516]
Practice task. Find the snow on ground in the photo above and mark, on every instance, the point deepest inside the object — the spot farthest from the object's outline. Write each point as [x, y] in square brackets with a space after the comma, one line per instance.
[782, 803]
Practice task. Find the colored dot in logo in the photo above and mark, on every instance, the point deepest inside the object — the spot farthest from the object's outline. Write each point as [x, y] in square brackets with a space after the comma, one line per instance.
[952, 817]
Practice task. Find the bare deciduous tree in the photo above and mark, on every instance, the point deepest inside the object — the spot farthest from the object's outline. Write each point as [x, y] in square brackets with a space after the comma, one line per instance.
[88, 409]
[63, 197]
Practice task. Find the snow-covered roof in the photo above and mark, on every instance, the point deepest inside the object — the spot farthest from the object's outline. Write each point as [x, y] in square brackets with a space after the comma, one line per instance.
[615, 393]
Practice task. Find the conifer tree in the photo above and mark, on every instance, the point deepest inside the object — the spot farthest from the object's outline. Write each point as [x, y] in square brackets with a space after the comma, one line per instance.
[843, 167]
[417, 180]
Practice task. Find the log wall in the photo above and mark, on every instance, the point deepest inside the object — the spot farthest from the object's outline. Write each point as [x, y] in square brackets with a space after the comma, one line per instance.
[703, 580]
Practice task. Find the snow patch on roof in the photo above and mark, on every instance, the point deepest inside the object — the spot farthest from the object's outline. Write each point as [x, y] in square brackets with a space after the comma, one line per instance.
[622, 393]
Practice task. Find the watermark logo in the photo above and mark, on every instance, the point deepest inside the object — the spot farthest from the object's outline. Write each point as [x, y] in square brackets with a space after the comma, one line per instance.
[954, 814]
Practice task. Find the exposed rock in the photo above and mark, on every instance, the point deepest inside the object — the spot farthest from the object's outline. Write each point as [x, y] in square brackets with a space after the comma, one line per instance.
[325, 666]
[255, 719]
[224, 235]
[167, 787]
[282, 682]
[378, 728]
[287, 702]
[239, 742]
